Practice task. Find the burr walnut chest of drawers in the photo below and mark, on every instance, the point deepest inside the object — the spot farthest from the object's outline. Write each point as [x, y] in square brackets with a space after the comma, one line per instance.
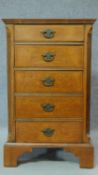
[49, 62]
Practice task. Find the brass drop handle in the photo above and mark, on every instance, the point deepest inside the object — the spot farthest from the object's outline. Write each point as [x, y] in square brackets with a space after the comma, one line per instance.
[48, 33]
[48, 57]
[48, 107]
[48, 132]
[48, 82]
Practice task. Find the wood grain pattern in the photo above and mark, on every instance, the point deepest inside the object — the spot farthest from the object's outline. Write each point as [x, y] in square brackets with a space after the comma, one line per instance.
[12, 154]
[67, 132]
[62, 33]
[64, 81]
[50, 21]
[85, 152]
[10, 60]
[65, 56]
[30, 107]
[85, 85]
[89, 54]
[55, 116]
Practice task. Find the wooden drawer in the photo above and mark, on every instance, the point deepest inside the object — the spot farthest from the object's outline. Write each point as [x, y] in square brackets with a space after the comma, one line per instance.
[49, 132]
[48, 106]
[31, 33]
[48, 81]
[48, 56]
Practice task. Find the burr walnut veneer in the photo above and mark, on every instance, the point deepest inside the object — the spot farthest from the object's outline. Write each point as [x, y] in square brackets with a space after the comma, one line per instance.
[49, 65]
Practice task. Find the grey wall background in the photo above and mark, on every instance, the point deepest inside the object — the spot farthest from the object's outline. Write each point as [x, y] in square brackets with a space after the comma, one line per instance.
[48, 9]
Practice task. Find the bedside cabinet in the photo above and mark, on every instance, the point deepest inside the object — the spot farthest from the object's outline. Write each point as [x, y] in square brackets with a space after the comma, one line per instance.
[49, 65]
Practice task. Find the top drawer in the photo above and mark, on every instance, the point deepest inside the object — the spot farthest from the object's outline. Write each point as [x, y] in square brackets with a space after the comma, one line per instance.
[58, 33]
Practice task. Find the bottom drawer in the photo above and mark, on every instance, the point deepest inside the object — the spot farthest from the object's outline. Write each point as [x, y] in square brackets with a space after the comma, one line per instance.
[53, 132]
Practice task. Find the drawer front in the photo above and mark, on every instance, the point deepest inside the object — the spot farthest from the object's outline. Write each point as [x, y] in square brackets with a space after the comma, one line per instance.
[49, 33]
[65, 132]
[48, 56]
[48, 81]
[48, 106]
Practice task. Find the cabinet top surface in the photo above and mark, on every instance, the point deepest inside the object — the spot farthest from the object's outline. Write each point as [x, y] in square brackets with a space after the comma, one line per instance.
[49, 21]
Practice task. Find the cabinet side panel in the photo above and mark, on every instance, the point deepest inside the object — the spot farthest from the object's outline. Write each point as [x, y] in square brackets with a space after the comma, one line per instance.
[10, 61]
[86, 80]
[89, 49]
